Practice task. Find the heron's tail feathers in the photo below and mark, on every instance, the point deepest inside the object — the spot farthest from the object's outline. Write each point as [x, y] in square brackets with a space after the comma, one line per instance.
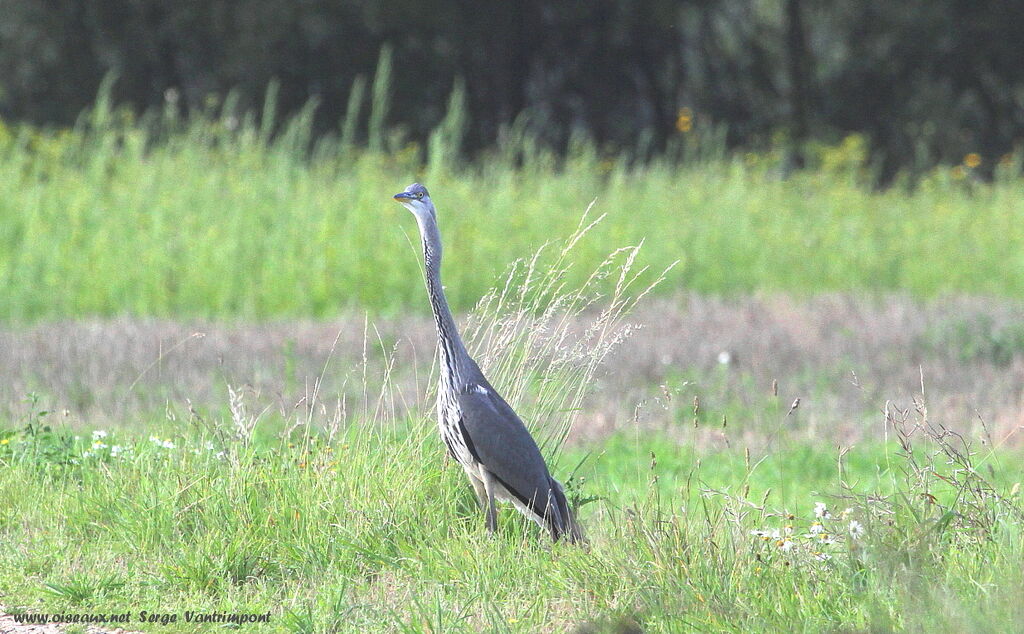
[560, 519]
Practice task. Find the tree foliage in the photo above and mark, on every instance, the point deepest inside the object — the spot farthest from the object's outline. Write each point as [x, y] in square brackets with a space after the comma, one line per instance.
[926, 81]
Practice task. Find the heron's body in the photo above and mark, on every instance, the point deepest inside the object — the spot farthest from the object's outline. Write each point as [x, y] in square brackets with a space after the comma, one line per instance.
[480, 429]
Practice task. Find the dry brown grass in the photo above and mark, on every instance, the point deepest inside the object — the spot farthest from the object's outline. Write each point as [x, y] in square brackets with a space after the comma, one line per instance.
[843, 356]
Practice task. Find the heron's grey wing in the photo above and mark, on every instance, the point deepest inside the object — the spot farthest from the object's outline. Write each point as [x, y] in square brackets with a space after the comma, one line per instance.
[500, 441]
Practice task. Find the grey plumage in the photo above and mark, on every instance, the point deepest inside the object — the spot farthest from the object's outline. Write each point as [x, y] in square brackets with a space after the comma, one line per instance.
[480, 429]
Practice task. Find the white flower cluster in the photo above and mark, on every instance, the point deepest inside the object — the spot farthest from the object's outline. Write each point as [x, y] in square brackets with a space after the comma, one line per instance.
[101, 448]
[825, 531]
[165, 444]
[208, 446]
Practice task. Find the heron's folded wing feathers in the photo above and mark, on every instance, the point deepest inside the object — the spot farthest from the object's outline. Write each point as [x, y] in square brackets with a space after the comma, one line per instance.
[503, 445]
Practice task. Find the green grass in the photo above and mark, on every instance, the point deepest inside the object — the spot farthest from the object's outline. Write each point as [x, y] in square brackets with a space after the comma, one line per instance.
[356, 522]
[213, 217]
[374, 531]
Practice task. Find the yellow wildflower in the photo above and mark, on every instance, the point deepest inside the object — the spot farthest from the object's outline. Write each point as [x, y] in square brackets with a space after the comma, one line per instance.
[684, 120]
[972, 160]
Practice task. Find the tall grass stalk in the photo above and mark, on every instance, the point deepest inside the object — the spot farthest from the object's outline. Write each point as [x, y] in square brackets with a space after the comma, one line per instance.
[445, 145]
[525, 331]
[381, 100]
[353, 110]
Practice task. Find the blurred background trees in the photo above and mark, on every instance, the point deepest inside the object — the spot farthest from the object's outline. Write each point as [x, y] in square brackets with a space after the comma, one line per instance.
[924, 81]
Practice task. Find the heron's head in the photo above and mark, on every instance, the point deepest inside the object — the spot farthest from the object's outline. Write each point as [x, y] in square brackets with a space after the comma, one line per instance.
[416, 199]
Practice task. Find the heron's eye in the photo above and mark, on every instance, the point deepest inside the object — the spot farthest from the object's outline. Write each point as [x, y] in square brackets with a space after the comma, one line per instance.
[419, 194]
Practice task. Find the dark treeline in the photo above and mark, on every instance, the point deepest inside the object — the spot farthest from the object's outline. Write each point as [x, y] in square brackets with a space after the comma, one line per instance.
[926, 81]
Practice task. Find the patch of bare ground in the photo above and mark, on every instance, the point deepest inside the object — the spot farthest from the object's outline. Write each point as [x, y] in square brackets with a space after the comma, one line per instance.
[745, 359]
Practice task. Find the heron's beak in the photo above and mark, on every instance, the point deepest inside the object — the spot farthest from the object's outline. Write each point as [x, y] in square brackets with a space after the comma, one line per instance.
[402, 196]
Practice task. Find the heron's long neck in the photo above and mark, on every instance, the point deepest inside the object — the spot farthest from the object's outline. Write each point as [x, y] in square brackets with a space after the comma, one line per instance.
[454, 357]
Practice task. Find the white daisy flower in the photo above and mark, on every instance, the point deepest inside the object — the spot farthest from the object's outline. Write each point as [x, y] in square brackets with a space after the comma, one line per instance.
[166, 444]
[856, 529]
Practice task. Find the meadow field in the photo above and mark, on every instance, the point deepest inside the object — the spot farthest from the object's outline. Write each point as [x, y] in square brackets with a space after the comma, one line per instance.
[214, 217]
[780, 402]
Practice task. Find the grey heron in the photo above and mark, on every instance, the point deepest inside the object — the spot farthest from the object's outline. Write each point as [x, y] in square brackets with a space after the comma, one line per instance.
[482, 432]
